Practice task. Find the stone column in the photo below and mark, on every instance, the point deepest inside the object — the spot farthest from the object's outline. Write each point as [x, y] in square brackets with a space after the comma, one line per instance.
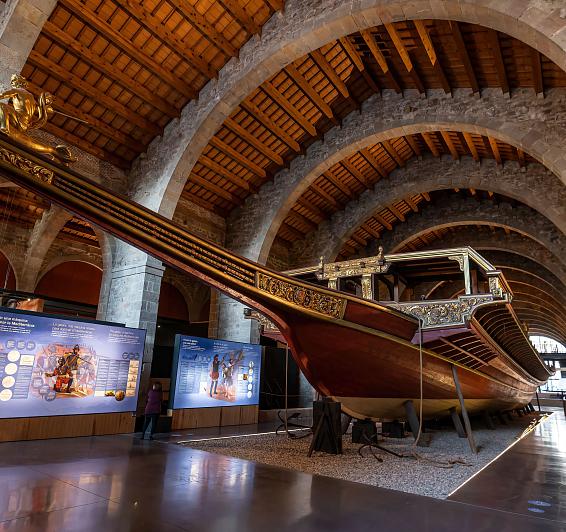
[20, 24]
[130, 295]
[231, 322]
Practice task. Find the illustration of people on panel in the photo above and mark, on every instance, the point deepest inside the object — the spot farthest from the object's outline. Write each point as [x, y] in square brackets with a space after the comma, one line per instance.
[214, 375]
[228, 374]
[63, 376]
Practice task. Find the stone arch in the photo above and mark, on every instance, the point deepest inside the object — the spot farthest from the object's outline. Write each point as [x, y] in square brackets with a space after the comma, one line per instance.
[43, 234]
[385, 118]
[519, 246]
[468, 211]
[7, 256]
[534, 187]
[65, 280]
[66, 258]
[196, 294]
[303, 28]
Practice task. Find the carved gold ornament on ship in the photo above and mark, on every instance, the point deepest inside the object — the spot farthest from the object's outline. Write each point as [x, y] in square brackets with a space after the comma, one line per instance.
[20, 114]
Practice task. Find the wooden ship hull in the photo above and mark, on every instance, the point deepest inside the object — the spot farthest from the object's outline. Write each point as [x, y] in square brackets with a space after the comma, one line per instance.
[360, 352]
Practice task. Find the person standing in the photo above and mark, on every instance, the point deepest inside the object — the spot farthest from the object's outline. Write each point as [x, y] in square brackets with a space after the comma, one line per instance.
[152, 409]
[214, 374]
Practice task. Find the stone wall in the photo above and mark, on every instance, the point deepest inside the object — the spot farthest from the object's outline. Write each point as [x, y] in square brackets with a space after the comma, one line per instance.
[159, 176]
[537, 126]
[534, 186]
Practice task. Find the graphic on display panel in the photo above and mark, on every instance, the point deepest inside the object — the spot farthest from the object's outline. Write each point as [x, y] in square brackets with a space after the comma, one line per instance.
[51, 366]
[215, 373]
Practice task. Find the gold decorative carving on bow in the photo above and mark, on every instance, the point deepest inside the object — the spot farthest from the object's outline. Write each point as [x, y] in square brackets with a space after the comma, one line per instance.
[444, 313]
[21, 113]
[263, 321]
[495, 286]
[302, 296]
[21, 163]
[352, 268]
[459, 259]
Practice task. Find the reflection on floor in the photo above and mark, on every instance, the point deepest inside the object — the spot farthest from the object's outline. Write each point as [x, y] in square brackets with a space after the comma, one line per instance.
[530, 478]
[121, 483]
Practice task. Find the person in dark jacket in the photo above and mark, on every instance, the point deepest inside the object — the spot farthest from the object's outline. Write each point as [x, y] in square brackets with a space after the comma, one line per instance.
[152, 409]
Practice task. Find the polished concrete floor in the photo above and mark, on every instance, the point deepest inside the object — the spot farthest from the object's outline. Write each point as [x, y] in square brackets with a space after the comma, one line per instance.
[121, 483]
[529, 479]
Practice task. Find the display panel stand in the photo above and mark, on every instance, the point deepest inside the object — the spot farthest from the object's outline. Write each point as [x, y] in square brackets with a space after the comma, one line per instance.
[221, 416]
[41, 428]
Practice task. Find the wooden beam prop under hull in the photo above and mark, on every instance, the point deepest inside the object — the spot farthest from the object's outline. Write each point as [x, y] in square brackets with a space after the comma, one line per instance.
[346, 346]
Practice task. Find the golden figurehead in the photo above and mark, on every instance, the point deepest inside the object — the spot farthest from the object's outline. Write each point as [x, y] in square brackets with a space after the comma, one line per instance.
[21, 114]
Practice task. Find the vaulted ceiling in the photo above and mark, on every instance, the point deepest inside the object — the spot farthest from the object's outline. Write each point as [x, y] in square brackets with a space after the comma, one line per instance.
[295, 107]
[121, 70]
[127, 68]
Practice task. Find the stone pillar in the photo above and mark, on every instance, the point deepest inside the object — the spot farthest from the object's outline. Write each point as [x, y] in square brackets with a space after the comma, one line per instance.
[130, 295]
[231, 322]
[20, 24]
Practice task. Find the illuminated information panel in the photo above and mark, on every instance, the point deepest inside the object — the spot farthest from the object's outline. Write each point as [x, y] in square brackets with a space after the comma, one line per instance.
[214, 373]
[53, 367]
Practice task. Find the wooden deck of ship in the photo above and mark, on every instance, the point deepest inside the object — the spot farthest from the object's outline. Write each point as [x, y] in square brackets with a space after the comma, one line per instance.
[120, 483]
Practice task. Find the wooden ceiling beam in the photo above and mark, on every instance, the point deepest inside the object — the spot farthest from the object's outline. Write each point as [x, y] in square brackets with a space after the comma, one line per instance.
[326, 196]
[110, 34]
[410, 140]
[226, 174]
[374, 163]
[299, 235]
[357, 61]
[464, 56]
[319, 58]
[208, 205]
[536, 66]
[348, 165]
[97, 125]
[409, 201]
[405, 56]
[238, 13]
[471, 146]
[396, 212]
[269, 124]
[83, 53]
[302, 219]
[383, 222]
[392, 152]
[276, 5]
[238, 130]
[495, 150]
[338, 184]
[82, 144]
[495, 46]
[521, 157]
[53, 69]
[425, 195]
[371, 231]
[432, 55]
[290, 109]
[208, 31]
[315, 209]
[156, 27]
[451, 148]
[430, 143]
[227, 150]
[359, 240]
[310, 92]
[214, 188]
[348, 249]
[380, 59]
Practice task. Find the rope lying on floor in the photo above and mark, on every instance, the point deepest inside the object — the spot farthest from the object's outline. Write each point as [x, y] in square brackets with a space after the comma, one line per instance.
[413, 453]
